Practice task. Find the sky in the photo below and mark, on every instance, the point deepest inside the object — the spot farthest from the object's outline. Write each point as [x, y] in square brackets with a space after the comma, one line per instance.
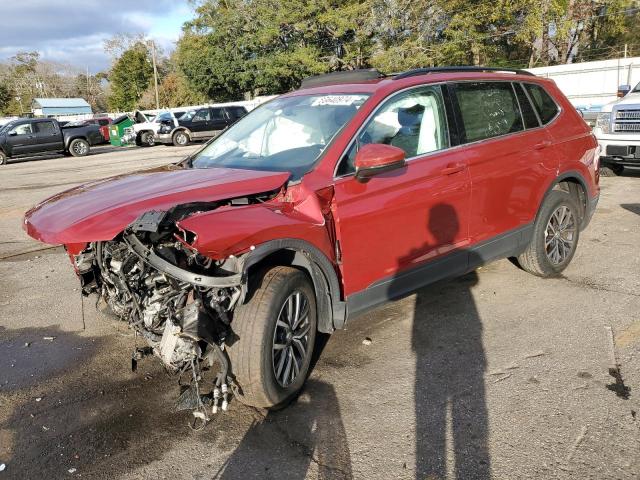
[73, 31]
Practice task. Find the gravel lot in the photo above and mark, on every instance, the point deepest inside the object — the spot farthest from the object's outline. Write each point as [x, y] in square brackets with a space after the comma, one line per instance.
[495, 375]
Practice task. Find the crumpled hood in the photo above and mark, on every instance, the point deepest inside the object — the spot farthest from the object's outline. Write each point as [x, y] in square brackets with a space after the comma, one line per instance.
[100, 210]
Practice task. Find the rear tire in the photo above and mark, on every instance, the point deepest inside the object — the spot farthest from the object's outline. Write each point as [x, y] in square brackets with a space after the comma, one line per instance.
[180, 139]
[79, 147]
[271, 357]
[3, 158]
[555, 236]
[611, 170]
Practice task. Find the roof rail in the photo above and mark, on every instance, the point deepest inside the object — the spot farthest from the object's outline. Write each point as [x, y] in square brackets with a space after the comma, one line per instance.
[347, 76]
[423, 71]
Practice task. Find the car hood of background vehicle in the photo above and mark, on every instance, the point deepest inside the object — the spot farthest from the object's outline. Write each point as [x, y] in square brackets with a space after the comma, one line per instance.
[100, 210]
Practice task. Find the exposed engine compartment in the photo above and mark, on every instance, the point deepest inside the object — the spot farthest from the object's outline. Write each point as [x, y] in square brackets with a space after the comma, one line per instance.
[177, 300]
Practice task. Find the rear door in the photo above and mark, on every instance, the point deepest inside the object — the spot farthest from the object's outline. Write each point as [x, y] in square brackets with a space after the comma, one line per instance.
[507, 151]
[219, 121]
[22, 139]
[48, 135]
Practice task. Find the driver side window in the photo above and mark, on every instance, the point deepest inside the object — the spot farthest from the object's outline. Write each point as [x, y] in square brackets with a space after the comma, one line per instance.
[414, 121]
[202, 115]
[24, 129]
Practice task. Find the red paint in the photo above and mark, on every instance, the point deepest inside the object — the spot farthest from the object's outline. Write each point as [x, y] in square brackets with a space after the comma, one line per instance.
[396, 220]
[102, 209]
[377, 155]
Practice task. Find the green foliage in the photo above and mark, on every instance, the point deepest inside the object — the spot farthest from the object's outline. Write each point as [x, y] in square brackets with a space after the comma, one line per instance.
[235, 47]
[130, 76]
[6, 97]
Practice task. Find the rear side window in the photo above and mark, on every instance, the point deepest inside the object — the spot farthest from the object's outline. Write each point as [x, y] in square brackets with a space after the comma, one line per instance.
[545, 106]
[45, 127]
[528, 114]
[487, 109]
[236, 112]
[217, 114]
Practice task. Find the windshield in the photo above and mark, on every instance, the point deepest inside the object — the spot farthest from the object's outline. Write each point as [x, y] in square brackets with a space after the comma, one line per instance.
[284, 135]
[636, 88]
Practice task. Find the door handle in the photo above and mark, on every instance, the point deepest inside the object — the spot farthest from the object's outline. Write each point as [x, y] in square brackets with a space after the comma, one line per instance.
[452, 168]
[542, 145]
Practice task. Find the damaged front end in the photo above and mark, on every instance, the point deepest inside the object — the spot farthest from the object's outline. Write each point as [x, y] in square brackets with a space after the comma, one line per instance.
[179, 301]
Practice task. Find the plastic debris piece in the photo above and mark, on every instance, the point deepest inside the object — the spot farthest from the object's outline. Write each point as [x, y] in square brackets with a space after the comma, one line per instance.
[51, 339]
[72, 470]
[367, 341]
[2, 467]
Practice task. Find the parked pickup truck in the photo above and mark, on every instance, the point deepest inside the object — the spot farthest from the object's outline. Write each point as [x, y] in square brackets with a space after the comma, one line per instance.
[199, 124]
[29, 136]
[618, 132]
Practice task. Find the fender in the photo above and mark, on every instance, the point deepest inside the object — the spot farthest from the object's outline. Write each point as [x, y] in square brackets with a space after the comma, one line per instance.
[69, 139]
[253, 232]
[573, 174]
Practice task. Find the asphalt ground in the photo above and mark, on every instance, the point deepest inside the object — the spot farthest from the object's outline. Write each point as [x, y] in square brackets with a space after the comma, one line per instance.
[497, 374]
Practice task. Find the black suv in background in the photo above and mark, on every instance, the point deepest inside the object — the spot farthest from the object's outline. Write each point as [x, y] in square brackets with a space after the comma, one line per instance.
[200, 124]
[29, 136]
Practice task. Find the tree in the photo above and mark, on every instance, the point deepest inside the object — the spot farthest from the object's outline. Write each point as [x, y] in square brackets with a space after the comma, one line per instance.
[129, 77]
[6, 97]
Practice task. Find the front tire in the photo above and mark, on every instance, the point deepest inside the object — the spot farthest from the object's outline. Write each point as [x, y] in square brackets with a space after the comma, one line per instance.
[180, 139]
[146, 139]
[276, 331]
[555, 236]
[79, 147]
[3, 158]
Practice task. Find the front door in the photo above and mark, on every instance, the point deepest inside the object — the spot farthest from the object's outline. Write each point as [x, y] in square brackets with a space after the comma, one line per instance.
[201, 124]
[403, 228]
[22, 139]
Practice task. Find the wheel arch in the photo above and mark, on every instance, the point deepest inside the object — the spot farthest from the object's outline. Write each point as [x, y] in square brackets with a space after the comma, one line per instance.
[304, 256]
[70, 139]
[574, 183]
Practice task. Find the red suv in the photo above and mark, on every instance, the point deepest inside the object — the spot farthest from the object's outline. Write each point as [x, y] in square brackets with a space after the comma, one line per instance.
[356, 189]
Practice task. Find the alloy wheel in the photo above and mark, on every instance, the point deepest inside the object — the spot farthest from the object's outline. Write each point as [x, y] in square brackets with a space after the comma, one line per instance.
[79, 148]
[291, 338]
[560, 235]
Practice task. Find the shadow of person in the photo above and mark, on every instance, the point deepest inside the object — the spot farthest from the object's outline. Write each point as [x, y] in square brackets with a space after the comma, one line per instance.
[284, 444]
[449, 390]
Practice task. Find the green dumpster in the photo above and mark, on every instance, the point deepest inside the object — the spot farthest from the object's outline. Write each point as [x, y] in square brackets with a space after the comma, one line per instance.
[121, 132]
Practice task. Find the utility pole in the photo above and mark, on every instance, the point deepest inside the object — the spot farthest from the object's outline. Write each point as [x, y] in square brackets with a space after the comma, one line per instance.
[625, 50]
[88, 89]
[155, 71]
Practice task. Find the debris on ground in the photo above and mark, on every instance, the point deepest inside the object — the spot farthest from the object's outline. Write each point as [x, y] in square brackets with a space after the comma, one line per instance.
[2, 467]
[367, 341]
[38, 399]
[618, 387]
[72, 470]
[536, 354]
[577, 443]
[51, 339]
[502, 378]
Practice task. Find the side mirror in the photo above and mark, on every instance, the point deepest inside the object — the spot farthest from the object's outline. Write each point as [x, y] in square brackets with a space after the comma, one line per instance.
[375, 158]
[623, 90]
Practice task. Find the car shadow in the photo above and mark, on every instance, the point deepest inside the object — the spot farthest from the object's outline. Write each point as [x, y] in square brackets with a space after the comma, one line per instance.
[449, 388]
[631, 207]
[310, 427]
